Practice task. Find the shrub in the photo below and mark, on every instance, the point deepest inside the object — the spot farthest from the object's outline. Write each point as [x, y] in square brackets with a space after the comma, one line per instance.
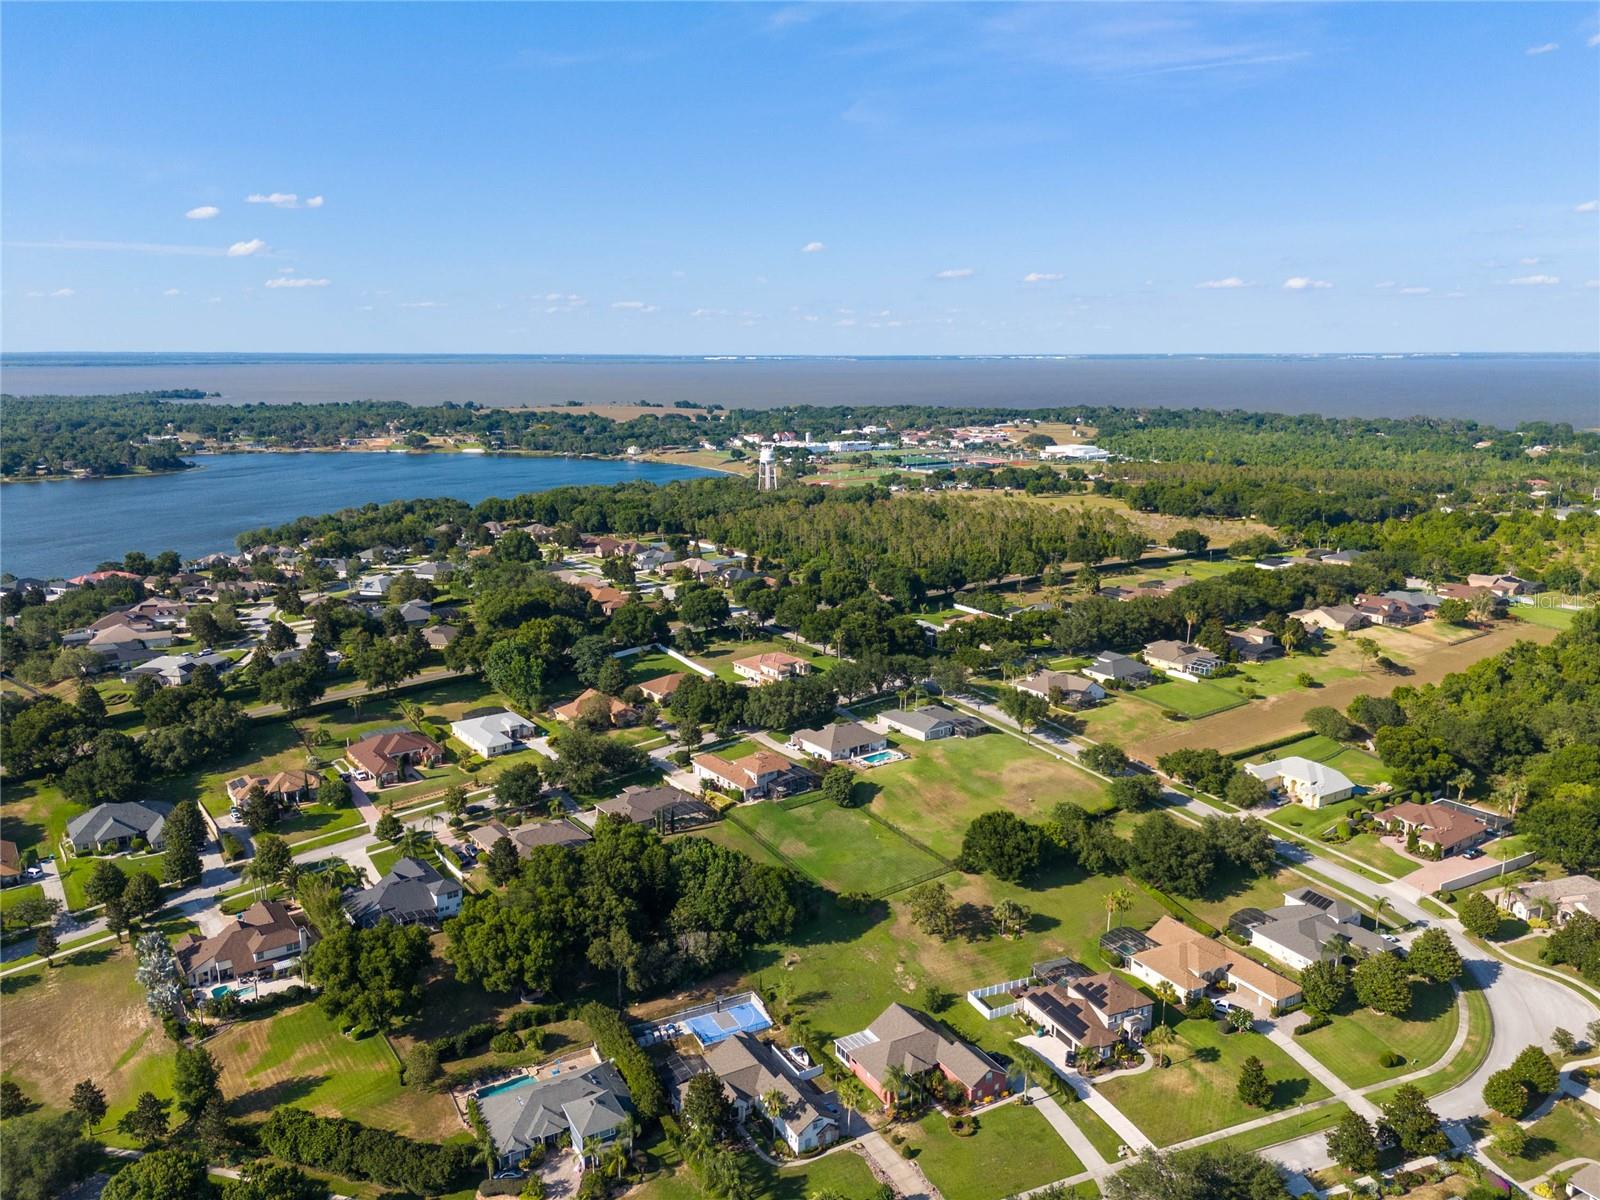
[505, 1042]
[357, 1151]
[611, 1035]
[963, 1126]
[1201, 1010]
[1390, 1059]
[1317, 1021]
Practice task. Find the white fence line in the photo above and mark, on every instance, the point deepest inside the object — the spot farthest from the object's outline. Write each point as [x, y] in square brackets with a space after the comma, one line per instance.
[976, 997]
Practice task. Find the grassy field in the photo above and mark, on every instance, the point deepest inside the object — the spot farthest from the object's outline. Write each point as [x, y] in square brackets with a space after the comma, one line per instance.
[300, 1057]
[1570, 1130]
[1480, 1032]
[652, 664]
[1361, 767]
[1126, 721]
[35, 814]
[1552, 618]
[1350, 1046]
[1195, 1094]
[935, 793]
[1191, 699]
[843, 1171]
[841, 848]
[75, 874]
[1013, 1151]
[1229, 892]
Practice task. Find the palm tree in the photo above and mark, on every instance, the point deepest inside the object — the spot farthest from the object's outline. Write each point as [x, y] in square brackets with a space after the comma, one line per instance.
[1463, 779]
[410, 842]
[1117, 900]
[1191, 618]
[897, 1083]
[1161, 1037]
[1008, 914]
[613, 1161]
[1167, 994]
[774, 1102]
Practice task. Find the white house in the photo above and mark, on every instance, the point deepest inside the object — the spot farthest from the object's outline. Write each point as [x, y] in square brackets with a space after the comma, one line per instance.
[835, 743]
[1303, 780]
[494, 734]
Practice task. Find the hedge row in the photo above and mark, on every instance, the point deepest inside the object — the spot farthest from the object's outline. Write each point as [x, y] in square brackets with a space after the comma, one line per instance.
[356, 1151]
[611, 1035]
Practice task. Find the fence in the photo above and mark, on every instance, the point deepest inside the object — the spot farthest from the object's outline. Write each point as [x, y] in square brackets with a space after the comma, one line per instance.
[977, 996]
[1479, 874]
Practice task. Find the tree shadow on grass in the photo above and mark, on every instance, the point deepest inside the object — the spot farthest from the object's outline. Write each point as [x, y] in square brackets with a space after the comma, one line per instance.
[1286, 1093]
[1206, 1054]
[275, 1095]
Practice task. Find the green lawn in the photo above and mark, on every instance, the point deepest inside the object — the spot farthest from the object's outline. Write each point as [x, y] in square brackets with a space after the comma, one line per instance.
[1570, 1130]
[1191, 699]
[841, 848]
[1279, 675]
[1311, 822]
[35, 814]
[1230, 891]
[1289, 1128]
[1555, 618]
[937, 791]
[652, 664]
[319, 819]
[842, 1171]
[1195, 1094]
[1480, 1032]
[1014, 1150]
[18, 894]
[1126, 720]
[1351, 1045]
[75, 873]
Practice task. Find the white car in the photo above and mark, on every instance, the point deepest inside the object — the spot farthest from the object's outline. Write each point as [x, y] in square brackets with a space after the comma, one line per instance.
[1222, 1006]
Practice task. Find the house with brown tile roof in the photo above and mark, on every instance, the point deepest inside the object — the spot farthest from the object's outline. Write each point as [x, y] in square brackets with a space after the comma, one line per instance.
[755, 776]
[1192, 963]
[914, 1042]
[282, 787]
[770, 667]
[662, 688]
[266, 936]
[10, 863]
[618, 712]
[1091, 1014]
[666, 807]
[1440, 827]
[386, 756]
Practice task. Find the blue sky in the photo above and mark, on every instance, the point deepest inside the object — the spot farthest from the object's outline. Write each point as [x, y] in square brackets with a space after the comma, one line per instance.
[867, 179]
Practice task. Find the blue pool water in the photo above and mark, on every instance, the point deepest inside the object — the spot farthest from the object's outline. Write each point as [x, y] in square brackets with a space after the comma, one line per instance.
[878, 757]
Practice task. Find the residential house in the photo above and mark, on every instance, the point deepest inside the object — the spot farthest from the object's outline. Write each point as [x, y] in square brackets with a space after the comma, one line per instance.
[171, 670]
[754, 776]
[10, 863]
[1112, 667]
[1092, 1014]
[589, 1107]
[416, 613]
[770, 667]
[374, 586]
[1426, 603]
[914, 1042]
[1387, 611]
[617, 712]
[494, 733]
[752, 1070]
[837, 743]
[1254, 644]
[1584, 1183]
[933, 723]
[1443, 829]
[1310, 927]
[607, 597]
[387, 756]
[265, 936]
[412, 893]
[437, 637]
[664, 806]
[1194, 963]
[1333, 618]
[1555, 900]
[1339, 558]
[284, 788]
[1505, 585]
[1303, 780]
[527, 837]
[1062, 687]
[662, 688]
[1183, 659]
[110, 827]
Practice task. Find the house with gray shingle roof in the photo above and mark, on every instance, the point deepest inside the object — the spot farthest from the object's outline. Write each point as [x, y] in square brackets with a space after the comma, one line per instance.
[412, 893]
[835, 743]
[902, 1037]
[592, 1106]
[109, 827]
[751, 1070]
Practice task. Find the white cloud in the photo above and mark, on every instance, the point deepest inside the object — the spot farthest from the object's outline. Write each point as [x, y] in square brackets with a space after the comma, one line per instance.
[204, 213]
[1588, 206]
[812, 248]
[1043, 277]
[1299, 283]
[62, 294]
[425, 304]
[1387, 283]
[1232, 281]
[246, 249]
[172, 292]
[702, 313]
[314, 202]
[633, 306]
[1415, 291]
[956, 273]
[1594, 40]
[1536, 280]
[1543, 48]
[297, 281]
[1528, 262]
[282, 200]
[845, 322]
[1593, 283]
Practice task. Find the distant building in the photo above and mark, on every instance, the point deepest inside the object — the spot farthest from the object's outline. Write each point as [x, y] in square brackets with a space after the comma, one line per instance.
[412, 893]
[918, 1045]
[1111, 667]
[837, 743]
[1443, 828]
[1303, 780]
[1254, 644]
[771, 667]
[933, 723]
[111, 827]
[494, 734]
[1079, 451]
[590, 1107]
[266, 936]
[1062, 687]
[1183, 659]
[387, 756]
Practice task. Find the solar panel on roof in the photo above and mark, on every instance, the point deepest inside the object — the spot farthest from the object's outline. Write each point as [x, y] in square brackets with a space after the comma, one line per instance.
[1316, 900]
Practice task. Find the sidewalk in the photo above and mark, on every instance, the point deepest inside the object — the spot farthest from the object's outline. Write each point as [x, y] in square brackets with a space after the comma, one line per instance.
[1054, 1052]
[903, 1175]
[1286, 1042]
[1070, 1133]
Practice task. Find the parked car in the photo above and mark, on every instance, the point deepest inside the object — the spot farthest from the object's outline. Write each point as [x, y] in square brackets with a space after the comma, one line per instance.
[1473, 853]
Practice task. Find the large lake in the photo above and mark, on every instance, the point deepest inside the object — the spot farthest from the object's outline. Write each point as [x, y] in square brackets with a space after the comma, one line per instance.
[69, 526]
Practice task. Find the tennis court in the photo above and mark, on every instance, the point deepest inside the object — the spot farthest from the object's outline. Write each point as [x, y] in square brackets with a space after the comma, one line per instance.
[713, 1027]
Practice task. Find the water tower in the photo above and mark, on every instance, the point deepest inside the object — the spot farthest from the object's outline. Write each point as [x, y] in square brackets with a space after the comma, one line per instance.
[767, 471]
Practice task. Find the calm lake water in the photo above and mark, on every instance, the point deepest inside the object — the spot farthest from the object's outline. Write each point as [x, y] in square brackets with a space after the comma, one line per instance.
[70, 526]
[1497, 389]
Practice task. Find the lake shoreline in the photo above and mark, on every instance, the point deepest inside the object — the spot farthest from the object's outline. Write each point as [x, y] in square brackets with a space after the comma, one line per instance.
[147, 473]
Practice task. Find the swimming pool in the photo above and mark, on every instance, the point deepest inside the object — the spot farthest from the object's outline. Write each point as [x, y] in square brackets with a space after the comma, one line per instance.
[878, 757]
